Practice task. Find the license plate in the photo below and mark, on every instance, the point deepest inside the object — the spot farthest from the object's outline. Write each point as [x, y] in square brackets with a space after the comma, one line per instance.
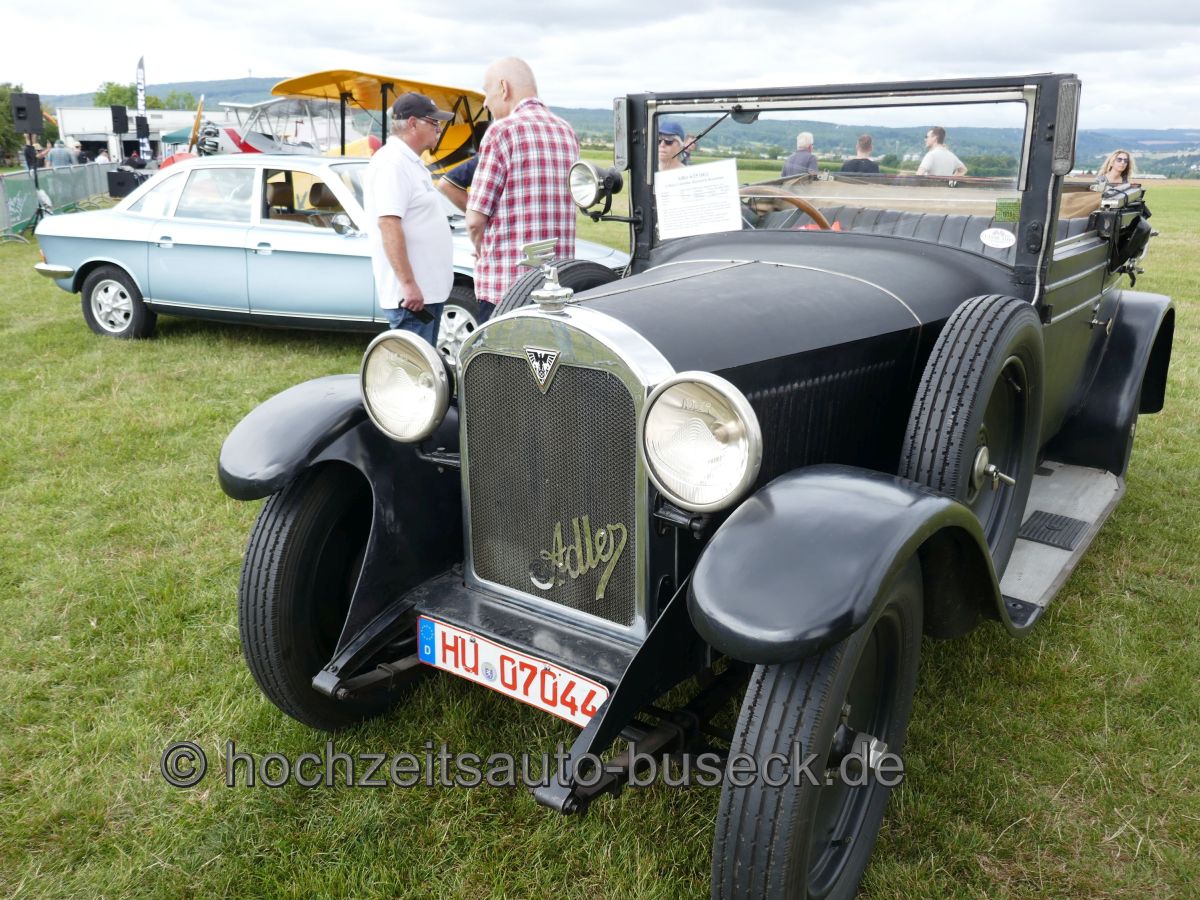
[511, 672]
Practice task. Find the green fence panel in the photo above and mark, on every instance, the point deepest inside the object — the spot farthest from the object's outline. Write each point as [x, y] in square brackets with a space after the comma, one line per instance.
[20, 202]
[66, 186]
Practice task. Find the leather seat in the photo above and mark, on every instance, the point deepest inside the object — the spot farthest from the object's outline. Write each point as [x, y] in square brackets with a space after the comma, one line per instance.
[939, 228]
[322, 198]
[278, 202]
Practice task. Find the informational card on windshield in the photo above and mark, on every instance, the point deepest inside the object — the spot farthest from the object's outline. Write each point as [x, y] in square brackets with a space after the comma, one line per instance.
[698, 200]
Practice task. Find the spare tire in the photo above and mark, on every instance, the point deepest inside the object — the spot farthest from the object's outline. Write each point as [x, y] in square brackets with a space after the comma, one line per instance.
[975, 425]
[576, 274]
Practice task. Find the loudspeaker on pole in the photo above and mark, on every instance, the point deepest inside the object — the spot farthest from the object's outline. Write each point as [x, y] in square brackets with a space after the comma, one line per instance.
[143, 127]
[27, 113]
[120, 120]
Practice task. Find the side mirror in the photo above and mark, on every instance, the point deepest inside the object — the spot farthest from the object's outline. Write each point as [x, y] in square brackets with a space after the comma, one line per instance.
[744, 116]
[621, 133]
[342, 224]
[1064, 127]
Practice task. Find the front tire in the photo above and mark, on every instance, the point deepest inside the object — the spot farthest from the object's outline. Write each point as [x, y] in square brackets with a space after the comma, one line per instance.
[301, 565]
[802, 840]
[112, 305]
[979, 405]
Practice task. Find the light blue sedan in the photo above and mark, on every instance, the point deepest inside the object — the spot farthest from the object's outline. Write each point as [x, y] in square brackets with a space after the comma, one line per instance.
[270, 240]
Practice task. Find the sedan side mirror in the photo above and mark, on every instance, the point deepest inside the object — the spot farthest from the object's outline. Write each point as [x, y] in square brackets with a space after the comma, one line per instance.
[342, 224]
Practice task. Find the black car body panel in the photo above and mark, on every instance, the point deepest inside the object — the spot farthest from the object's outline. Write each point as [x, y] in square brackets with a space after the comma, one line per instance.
[801, 564]
[285, 434]
[1131, 381]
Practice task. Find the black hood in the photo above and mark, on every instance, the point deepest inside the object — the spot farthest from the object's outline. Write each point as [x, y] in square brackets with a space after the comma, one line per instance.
[730, 300]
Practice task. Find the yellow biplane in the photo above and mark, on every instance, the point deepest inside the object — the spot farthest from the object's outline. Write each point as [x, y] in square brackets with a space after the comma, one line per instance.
[374, 94]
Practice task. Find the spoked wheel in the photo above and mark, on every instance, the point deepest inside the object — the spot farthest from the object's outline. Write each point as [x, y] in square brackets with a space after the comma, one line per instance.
[975, 424]
[112, 305]
[301, 566]
[460, 319]
[849, 706]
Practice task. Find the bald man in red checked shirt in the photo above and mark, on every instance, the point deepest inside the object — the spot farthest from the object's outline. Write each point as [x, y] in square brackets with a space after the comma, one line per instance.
[520, 193]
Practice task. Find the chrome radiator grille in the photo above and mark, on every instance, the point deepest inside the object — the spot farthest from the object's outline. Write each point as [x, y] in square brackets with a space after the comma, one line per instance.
[552, 484]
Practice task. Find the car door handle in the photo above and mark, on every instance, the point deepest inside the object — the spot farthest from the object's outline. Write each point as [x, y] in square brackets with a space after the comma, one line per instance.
[165, 242]
[263, 249]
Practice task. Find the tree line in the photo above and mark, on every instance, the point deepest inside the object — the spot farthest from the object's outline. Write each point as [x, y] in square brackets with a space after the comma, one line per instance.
[112, 94]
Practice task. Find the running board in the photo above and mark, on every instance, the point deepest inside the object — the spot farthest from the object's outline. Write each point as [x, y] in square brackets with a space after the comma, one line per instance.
[1067, 507]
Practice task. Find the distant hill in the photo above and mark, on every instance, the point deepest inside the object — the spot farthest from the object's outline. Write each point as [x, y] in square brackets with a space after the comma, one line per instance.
[234, 90]
[1164, 151]
[1171, 151]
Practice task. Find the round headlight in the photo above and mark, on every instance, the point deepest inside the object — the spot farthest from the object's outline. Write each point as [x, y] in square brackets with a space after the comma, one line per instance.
[585, 183]
[404, 386]
[702, 441]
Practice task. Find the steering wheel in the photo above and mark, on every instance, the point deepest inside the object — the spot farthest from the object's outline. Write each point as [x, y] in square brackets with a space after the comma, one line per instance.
[767, 190]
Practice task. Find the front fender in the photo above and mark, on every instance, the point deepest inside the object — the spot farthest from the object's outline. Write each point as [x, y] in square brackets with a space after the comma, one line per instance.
[801, 564]
[282, 436]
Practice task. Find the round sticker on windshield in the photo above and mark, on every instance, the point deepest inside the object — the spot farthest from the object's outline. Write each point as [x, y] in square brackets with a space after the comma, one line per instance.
[999, 238]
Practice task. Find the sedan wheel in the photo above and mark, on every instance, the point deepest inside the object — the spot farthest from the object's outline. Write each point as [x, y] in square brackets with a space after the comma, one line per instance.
[460, 319]
[112, 305]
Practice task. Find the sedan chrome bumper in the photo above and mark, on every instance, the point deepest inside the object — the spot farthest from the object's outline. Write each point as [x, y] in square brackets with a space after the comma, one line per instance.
[52, 271]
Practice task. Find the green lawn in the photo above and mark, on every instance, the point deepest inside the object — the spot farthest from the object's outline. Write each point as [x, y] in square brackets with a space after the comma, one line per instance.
[1062, 765]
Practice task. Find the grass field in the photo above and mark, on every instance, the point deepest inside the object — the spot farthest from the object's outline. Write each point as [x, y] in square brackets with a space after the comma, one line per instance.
[1063, 764]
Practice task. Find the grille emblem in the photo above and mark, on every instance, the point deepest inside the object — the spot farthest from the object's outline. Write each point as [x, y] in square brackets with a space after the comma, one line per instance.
[542, 364]
[574, 559]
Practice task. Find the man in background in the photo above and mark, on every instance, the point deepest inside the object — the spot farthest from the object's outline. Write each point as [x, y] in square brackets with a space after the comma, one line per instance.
[60, 156]
[520, 192]
[862, 161]
[803, 160]
[456, 183]
[939, 160]
[412, 254]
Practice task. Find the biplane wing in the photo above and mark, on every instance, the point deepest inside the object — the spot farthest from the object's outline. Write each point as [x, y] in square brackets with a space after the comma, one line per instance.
[375, 93]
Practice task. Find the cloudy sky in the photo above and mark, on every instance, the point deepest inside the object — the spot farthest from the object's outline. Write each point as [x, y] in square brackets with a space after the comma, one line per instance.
[1136, 71]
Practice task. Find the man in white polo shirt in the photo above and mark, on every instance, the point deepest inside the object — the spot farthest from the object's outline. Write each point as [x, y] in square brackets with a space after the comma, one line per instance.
[408, 232]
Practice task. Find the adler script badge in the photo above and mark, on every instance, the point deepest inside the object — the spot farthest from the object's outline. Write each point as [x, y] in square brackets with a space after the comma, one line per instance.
[542, 364]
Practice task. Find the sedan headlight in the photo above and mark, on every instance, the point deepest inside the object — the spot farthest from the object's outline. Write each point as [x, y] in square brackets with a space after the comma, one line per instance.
[404, 386]
[702, 441]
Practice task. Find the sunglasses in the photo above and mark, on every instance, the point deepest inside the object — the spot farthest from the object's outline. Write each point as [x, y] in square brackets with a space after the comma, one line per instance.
[669, 141]
[436, 123]
[1121, 159]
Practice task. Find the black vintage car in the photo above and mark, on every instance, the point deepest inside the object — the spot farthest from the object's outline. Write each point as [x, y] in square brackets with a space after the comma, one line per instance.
[820, 416]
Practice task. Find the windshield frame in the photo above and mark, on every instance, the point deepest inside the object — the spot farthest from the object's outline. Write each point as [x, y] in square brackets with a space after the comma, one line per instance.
[1042, 93]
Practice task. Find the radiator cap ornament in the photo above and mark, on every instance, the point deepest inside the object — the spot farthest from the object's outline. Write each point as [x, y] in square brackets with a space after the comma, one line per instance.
[551, 296]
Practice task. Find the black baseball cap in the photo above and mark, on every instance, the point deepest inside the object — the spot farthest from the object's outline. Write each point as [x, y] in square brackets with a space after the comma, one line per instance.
[414, 104]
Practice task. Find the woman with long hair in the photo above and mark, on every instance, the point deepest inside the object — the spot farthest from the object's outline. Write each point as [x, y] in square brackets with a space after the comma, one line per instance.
[1117, 170]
